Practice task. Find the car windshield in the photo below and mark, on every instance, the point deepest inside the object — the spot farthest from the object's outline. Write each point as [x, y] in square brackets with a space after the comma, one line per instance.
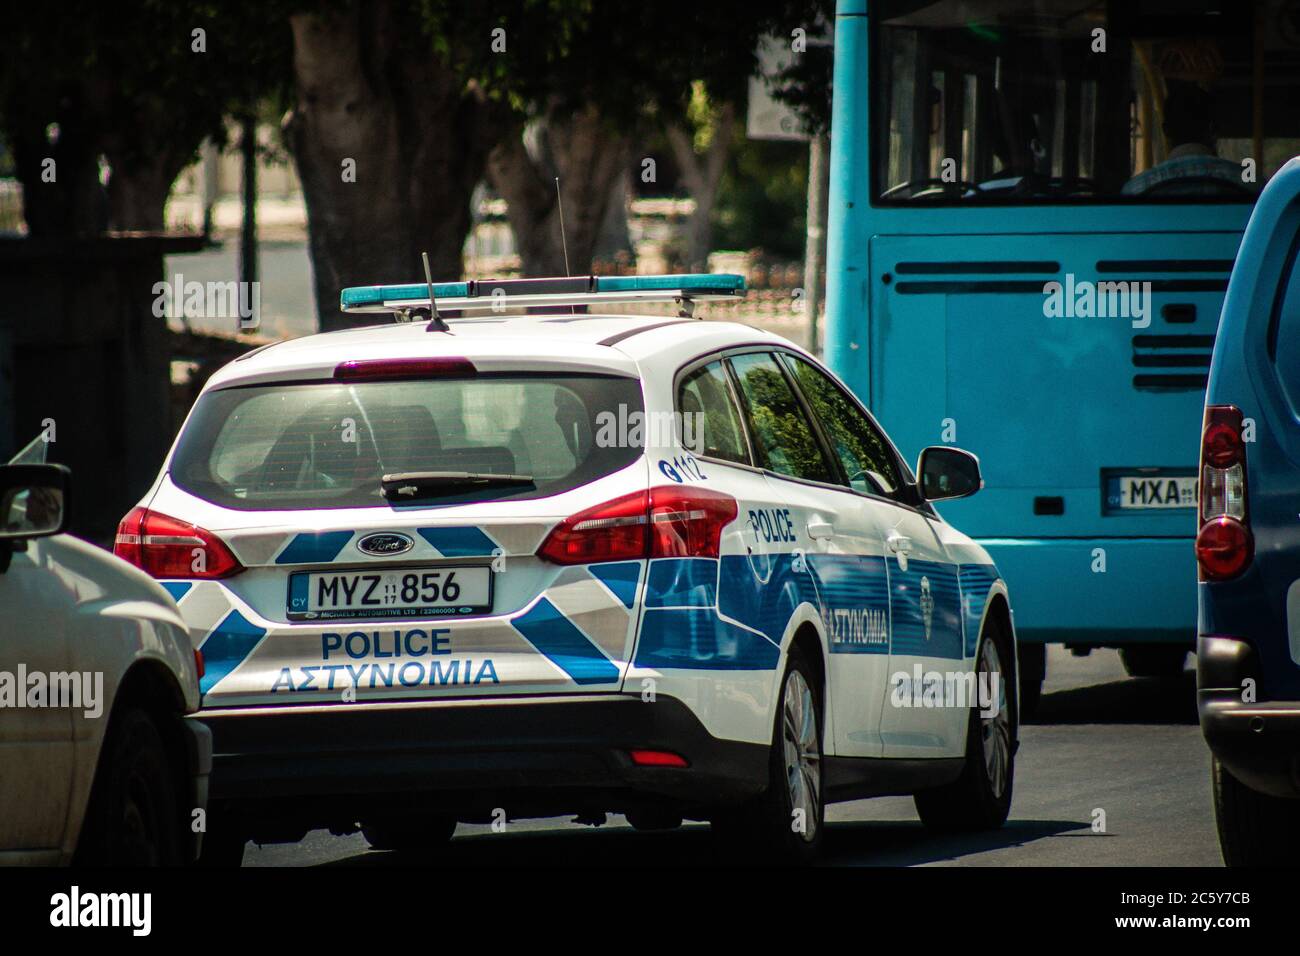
[330, 444]
[1082, 100]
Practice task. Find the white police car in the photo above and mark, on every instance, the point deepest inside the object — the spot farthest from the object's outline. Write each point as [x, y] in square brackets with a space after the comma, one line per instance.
[524, 565]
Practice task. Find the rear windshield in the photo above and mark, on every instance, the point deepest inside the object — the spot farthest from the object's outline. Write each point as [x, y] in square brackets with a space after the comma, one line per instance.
[329, 444]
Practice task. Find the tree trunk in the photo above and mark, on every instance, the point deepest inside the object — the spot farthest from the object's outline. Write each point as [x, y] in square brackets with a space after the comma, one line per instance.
[388, 146]
[138, 187]
[73, 204]
[615, 238]
[702, 174]
[588, 157]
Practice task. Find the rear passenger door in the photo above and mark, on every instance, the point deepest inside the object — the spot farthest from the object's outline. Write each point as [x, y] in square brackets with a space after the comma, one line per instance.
[923, 604]
[834, 552]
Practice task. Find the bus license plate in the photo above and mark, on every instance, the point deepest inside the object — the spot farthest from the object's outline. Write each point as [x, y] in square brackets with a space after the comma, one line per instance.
[391, 592]
[1143, 492]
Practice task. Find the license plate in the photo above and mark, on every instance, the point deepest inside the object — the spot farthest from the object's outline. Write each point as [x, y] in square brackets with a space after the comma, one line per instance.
[1150, 492]
[390, 592]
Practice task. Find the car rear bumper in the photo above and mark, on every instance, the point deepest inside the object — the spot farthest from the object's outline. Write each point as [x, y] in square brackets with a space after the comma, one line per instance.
[1099, 591]
[333, 764]
[1258, 741]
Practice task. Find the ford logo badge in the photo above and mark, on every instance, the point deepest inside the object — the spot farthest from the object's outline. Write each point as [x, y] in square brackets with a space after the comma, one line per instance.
[385, 543]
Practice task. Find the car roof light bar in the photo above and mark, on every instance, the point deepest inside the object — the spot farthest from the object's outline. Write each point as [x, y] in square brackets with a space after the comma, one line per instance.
[497, 295]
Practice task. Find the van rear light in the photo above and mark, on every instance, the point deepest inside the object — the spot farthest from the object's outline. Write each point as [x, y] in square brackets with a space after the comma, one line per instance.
[1224, 547]
[1224, 543]
[166, 547]
[665, 522]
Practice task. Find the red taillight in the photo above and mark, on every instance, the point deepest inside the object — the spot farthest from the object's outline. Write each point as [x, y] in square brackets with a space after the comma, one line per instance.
[614, 531]
[657, 758]
[665, 522]
[168, 548]
[688, 522]
[403, 368]
[1222, 443]
[1224, 547]
[198, 663]
[1224, 544]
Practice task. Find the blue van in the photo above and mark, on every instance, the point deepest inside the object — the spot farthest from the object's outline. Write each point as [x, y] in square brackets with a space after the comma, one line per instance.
[1248, 541]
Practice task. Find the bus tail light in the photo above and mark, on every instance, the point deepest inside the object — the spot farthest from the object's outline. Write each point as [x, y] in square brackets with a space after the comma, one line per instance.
[166, 547]
[1224, 544]
[664, 522]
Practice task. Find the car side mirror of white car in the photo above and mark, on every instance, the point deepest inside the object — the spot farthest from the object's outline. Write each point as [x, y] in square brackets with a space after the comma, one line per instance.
[948, 472]
[33, 504]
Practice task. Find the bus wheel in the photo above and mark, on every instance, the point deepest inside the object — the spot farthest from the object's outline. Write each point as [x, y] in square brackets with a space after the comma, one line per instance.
[1255, 829]
[1031, 664]
[1153, 660]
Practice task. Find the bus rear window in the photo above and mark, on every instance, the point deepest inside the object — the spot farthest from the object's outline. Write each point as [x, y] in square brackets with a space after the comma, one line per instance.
[1051, 101]
[329, 444]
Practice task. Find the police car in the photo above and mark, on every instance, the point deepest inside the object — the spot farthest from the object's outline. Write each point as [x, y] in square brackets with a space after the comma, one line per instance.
[499, 565]
[1248, 651]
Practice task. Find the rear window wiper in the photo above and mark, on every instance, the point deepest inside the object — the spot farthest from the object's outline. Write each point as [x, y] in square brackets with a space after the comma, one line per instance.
[415, 484]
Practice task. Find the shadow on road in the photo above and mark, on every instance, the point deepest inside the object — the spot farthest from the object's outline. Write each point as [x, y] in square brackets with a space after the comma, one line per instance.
[1146, 700]
[910, 844]
[846, 844]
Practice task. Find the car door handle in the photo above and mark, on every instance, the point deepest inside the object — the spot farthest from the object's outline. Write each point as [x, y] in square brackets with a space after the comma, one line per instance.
[819, 530]
[899, 543]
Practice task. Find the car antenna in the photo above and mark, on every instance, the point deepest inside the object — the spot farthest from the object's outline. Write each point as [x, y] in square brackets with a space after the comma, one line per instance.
[564, 242]
[435, 320]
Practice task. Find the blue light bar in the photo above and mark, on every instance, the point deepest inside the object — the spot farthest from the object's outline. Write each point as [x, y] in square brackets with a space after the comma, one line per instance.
[565, 290]
[379, 294]
[722, 283]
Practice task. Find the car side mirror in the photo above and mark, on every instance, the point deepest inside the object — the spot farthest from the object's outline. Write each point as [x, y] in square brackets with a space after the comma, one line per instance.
[33, 502]
[947, 472]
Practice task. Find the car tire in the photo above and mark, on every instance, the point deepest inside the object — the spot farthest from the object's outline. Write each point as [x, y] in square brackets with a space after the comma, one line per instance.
[765, 828]
[1031, 668]
[132, 818]
[1153, 660]
[1255, 829]
[416, 834]
[980, 799]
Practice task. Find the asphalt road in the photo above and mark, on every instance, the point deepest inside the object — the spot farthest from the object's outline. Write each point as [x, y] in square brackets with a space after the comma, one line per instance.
[1102, 742]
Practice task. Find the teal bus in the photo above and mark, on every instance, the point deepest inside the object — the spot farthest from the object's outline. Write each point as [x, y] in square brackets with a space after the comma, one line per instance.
[1034, 209]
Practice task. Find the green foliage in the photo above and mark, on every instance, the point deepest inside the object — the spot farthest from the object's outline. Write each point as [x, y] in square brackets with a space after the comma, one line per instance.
[805, 85]
[763, 199]
[131, 69]
[626, 58]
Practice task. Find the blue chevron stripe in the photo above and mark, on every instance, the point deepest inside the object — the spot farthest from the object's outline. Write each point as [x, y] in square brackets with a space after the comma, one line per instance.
[620, 577]
[226, 647]
[554, 635]
[463, 542]
[314, 547]
[177, 589]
